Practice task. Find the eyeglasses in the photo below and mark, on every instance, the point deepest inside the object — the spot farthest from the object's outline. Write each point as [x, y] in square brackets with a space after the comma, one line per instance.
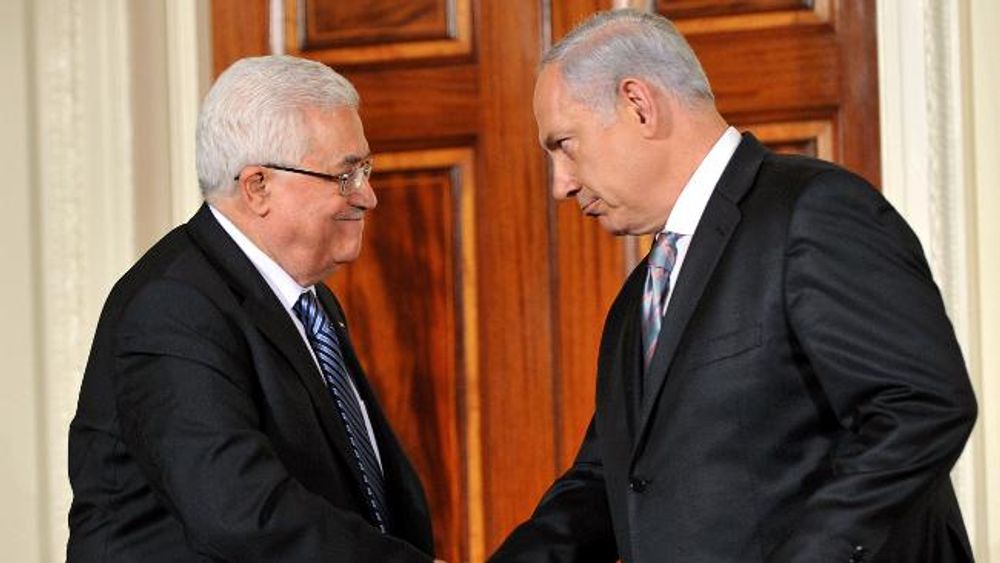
[350, 182]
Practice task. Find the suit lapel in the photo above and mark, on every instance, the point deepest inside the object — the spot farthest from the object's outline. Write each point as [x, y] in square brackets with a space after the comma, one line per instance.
[628, 382]
[717, 224]
[620, 370]
[263, 308]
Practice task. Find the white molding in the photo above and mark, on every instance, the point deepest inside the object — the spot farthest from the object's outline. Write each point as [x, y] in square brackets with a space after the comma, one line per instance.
[983, 68]
[903, 103]
[22, 522]
[926, 173]
[186, 76]
[85, 191]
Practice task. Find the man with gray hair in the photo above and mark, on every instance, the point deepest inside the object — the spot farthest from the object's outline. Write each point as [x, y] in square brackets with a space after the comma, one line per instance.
[777, 380]
[224, 415]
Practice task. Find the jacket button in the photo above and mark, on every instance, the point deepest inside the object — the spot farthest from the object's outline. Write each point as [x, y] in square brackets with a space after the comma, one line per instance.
[637, 485]
[859, 554]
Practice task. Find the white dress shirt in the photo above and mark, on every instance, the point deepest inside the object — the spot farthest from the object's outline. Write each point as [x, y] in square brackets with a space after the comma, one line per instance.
[287, 290]
[690, 205]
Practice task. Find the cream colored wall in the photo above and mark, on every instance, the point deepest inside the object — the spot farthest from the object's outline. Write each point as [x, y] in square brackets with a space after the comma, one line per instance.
[21, 486]
[939, 82]
[99, 101]
[983, 72]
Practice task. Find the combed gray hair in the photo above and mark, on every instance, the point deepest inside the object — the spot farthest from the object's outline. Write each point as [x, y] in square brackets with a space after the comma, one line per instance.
[614, 44]
[254, 114]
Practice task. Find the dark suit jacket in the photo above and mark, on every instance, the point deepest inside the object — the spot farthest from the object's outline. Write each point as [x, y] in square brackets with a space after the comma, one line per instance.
[204, 430]
[805, 402]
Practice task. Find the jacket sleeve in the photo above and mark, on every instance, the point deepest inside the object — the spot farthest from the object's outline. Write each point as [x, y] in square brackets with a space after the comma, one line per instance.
[867, 315]
[184, 390]
[572, 522]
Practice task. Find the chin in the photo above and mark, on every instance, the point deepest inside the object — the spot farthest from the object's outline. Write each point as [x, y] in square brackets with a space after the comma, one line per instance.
[611, 227]
[348, 255]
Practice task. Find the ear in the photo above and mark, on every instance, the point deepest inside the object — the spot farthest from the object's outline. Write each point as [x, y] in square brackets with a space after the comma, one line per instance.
[638, 99]
[254, 191]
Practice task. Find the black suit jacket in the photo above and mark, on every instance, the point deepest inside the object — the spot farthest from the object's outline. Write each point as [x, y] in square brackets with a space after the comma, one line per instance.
[204, 430]
[805, 403]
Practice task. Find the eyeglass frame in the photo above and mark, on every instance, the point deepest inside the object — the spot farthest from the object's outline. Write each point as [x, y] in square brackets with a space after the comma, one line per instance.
[358, 174]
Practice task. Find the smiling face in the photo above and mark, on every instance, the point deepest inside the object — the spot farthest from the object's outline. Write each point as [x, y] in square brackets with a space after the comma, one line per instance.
[309, 228]
[596, 160]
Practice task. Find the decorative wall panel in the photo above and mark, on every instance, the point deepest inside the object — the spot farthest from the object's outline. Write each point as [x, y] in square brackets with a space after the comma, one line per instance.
[378, 31]
[705, 16]
[809, 138]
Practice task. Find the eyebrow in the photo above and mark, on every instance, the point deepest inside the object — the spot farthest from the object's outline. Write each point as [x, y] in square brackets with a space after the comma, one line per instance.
[352, 159]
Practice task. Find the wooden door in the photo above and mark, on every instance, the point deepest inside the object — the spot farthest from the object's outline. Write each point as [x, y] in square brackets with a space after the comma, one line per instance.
[477, 302]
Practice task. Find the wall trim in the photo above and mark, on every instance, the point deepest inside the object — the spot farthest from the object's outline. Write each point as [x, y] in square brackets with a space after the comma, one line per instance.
[926, 171]
[187, 77]
[85, 210]
[982, 69]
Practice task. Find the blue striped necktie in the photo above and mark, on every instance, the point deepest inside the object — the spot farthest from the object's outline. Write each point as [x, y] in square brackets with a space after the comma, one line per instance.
[326, 346]
[661, 262]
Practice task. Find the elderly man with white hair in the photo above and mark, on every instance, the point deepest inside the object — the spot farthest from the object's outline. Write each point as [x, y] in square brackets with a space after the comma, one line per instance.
[224, 415]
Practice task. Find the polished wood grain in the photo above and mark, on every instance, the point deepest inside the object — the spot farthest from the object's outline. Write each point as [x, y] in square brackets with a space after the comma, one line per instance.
[513, 240]
[857, 139]
[823, 69]
[710, 16]
[239, 29]
[791, 73]
[808, 138]
[380, 32]
[425, 106]
[680, 9]
[342, 24]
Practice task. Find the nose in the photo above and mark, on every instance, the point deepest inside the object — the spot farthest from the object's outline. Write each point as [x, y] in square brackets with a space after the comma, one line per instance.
[365, 197]
[564, 182]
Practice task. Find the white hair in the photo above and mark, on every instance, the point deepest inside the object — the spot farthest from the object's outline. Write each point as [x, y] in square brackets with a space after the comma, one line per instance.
[612, 45]
[254, 114]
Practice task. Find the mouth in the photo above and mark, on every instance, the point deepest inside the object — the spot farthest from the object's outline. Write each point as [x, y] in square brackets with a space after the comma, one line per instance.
[590, 208]
[351, 217]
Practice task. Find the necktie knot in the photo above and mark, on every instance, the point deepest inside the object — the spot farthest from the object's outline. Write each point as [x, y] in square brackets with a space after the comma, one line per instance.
[661, 261]
[309, 312]
[664, 251]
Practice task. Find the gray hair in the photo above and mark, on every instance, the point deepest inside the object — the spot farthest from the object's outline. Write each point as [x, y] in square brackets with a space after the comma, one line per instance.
[254, 114]
[612, 45]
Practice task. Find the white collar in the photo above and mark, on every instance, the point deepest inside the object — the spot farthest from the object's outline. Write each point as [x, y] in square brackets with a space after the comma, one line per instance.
[283, 285]
[690, 205]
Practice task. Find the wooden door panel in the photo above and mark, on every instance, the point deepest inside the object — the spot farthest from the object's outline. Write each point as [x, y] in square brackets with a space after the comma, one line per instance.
[514, 244]
[439, 105]
[344, 24]
[777, 61]
[809, 138]
[478, 302]
[695, 16]
[387, 32]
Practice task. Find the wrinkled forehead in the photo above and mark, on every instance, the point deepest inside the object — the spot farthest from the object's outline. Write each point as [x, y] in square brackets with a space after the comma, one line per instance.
[336, 135]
